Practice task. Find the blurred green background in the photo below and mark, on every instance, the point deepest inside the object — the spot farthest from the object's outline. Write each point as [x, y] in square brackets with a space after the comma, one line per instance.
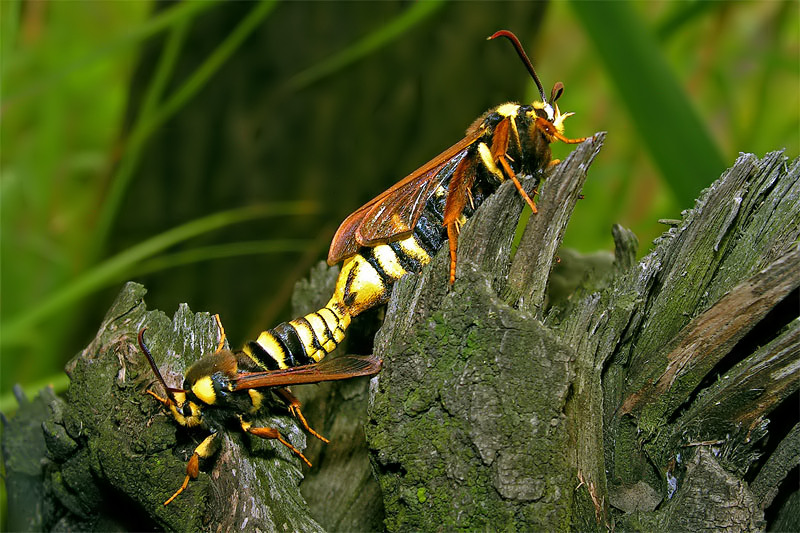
[209, 150]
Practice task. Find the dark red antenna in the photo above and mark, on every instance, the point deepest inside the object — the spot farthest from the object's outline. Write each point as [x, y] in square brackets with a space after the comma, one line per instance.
[143, 346]
[522, 55]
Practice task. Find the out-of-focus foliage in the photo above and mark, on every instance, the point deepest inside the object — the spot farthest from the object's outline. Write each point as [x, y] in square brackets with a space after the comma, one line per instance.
[124, 120]
[63, 100]
[58, 215]
[739, 65]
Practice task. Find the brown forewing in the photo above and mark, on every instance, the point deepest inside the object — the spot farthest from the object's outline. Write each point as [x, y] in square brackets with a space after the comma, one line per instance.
[328, 370]
[393, 214]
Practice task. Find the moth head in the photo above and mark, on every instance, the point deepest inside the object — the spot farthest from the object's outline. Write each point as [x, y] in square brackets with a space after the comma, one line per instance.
[181, 402]
[185, 411]
[545, 109]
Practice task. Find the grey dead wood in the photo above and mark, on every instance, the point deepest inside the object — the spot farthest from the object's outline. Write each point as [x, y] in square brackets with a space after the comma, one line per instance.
[114, 456]
[641, 405]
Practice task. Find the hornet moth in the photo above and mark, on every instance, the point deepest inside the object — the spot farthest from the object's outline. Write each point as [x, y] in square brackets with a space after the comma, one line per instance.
[228, 385]
[397, 232]
[507, 140]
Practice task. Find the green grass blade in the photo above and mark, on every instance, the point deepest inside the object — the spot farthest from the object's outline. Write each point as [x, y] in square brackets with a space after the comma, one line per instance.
[149, 122]
[418, 12]
[678, 141]
[161, 21]
[213, 63]
[166, 66]
[130, 158]
[221, 251]
[682, 14]
[9, 24]
[115, 267]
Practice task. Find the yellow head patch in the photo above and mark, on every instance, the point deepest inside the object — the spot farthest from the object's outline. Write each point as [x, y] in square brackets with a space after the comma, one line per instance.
[509, 109]
[203, 388]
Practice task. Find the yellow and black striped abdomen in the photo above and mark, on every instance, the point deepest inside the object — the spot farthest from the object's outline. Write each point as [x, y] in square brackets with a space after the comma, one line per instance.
[364, 282]
[302, 341]
[367, 277]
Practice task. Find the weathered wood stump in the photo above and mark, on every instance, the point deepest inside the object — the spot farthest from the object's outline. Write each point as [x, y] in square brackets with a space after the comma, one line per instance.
[658, 395]
[644, 405]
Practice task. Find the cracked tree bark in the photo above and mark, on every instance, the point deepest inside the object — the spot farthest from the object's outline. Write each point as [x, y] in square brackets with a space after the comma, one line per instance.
[642, 400]
[644, 405]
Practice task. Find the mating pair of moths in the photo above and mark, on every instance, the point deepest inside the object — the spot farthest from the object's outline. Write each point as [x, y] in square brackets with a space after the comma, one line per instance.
[397, 232]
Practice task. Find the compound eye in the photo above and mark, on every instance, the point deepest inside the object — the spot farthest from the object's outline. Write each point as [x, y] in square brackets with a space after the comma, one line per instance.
[181, 406]
[550, 115]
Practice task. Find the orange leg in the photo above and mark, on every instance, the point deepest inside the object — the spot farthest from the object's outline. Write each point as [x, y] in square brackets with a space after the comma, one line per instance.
[294, 408]
[204, 450]
[164, 401]
[517, 184]
[192, 471]
[272, 433]
[459, 194]
[567, 140]
[452, 239]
